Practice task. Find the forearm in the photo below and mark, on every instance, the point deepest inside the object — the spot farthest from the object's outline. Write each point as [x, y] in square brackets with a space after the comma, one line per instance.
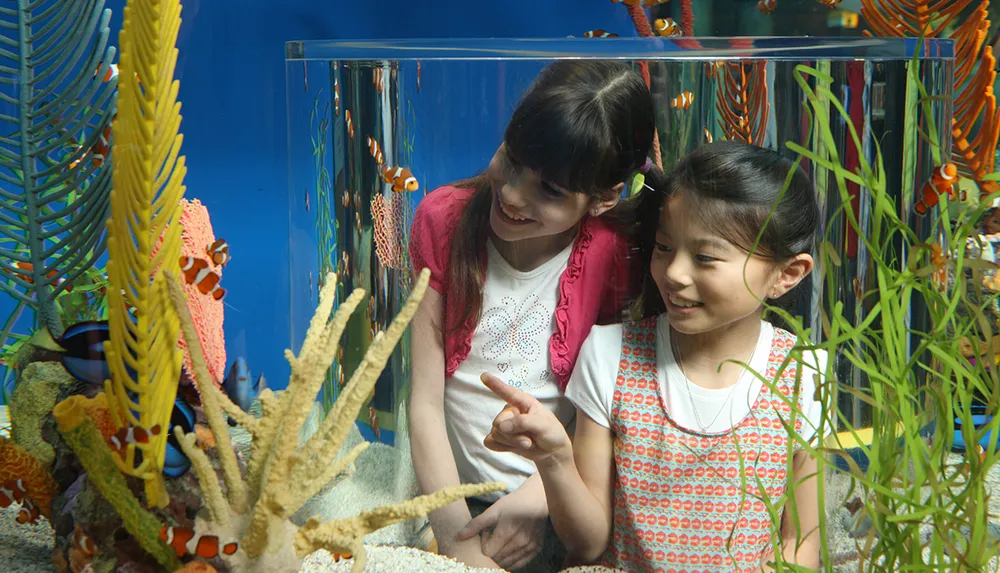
[434, 465]
[577, 515]
[805, 554]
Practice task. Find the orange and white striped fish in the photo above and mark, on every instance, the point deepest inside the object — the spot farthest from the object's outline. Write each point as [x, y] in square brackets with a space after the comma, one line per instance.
[131, 435]
[373, 420]
[598, 33]
[197, 272]
[12, 491]
[667, 27]
[219, 252]
[83, 543]
[682, 101]
[180, 539]
[375, 150]
[401, 178]
[23, 270]
[767, 6]
[713, 69]
[829, 3]
[708, 136]
[336, 96]
[29, 513]
[941, 181]
[350, 124]
[108, 75]
[378, 79]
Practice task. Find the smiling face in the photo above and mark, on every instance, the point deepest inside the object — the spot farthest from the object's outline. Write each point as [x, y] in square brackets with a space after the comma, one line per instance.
[525, 206]
[700, 275]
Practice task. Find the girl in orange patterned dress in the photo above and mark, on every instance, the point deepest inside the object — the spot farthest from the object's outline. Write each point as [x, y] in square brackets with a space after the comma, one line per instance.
[680, 447]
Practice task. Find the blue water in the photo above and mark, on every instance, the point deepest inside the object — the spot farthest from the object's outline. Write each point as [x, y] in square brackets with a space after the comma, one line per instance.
[232, 78]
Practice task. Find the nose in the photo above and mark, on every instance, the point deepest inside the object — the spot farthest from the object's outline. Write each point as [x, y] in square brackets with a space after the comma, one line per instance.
[675, 271]
[513, 194]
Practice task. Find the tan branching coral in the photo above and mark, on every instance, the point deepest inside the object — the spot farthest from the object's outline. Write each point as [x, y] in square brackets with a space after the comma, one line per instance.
[281, 474]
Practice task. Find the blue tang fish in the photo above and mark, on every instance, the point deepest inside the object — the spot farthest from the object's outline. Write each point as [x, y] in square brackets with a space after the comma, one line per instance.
[82, 352]
[238, 387]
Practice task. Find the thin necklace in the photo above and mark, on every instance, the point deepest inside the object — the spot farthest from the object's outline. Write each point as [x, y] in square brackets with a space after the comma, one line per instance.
[687, 384]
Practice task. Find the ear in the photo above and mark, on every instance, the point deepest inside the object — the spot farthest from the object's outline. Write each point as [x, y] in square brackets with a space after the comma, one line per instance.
[607, 200]
[790, 274]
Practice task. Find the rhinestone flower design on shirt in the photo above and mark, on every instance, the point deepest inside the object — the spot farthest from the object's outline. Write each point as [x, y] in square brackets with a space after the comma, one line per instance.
[513, 331]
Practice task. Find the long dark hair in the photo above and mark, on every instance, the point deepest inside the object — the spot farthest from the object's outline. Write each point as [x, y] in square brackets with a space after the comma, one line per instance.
[732, 187]
[583, 125]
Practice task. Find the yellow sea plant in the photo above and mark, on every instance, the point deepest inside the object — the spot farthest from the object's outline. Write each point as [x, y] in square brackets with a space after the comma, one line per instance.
[148, 179]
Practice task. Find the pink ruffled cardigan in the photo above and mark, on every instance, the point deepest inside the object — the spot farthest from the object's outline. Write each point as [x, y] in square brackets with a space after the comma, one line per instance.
[592, 289]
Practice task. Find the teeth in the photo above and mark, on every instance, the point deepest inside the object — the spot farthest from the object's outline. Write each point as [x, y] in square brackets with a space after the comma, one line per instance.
[509, 214]
[684, 303]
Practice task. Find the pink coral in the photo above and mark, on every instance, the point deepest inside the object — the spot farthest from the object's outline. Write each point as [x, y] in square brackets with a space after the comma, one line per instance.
[207, 313]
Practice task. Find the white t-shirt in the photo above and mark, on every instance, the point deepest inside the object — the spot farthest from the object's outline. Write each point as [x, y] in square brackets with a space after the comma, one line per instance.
[511, 342]
[592, 385]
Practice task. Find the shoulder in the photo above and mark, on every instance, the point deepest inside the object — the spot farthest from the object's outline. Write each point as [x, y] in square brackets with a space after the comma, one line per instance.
[442, 205]
[592, 385]
[433, 229]
[602, 239]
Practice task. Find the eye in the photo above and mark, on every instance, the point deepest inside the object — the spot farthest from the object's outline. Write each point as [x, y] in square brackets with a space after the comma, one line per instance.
[704, 258]
[552, 192]
[662, 248]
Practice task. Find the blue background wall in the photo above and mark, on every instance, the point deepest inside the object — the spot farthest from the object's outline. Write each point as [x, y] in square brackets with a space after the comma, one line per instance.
[232, 74]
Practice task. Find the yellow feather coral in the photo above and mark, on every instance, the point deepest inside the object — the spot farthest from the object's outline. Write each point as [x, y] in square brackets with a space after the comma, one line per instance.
[145, 205]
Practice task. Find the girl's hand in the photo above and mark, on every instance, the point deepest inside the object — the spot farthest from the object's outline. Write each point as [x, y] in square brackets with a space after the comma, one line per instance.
[513, 528]
[525, 427]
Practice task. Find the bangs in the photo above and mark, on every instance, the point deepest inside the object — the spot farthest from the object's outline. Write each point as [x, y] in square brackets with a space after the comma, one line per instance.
[735, 222]
[574, 150]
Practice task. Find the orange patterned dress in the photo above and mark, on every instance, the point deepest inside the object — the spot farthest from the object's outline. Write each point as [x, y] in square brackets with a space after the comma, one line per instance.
[679, 503]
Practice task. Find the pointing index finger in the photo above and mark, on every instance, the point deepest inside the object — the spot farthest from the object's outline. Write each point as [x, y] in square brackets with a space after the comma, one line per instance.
[511, 395]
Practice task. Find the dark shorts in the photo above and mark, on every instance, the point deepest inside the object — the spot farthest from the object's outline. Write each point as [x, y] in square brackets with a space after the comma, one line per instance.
[552, 555]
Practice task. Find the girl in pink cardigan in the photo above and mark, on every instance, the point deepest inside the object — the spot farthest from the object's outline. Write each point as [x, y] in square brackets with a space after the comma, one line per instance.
[524, 259]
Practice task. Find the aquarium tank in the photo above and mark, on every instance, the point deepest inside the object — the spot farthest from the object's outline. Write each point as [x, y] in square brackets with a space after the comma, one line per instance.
[436, 110]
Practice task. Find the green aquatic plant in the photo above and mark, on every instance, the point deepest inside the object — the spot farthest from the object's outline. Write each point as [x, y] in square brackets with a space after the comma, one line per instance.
[326, 223]
[929, 509]
[54, 203]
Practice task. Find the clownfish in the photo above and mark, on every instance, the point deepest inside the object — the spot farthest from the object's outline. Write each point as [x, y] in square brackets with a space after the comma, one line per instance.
[12, 491]
[375, 150]
[197, 272]
[206, 546]
[108, 75]
[682, 101]
[131, 435]
[378, 79]
[713, 69]
[23, 269]
[101, 148]
[708, 136]
[667, 27]
[336, 97]
[599, 34]
[350, 124]
[941, 181]
[401, 178]
[29, 513]
[829, 3]
[83, 543]
[219, 250]
[767, 6]
[373, 420]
